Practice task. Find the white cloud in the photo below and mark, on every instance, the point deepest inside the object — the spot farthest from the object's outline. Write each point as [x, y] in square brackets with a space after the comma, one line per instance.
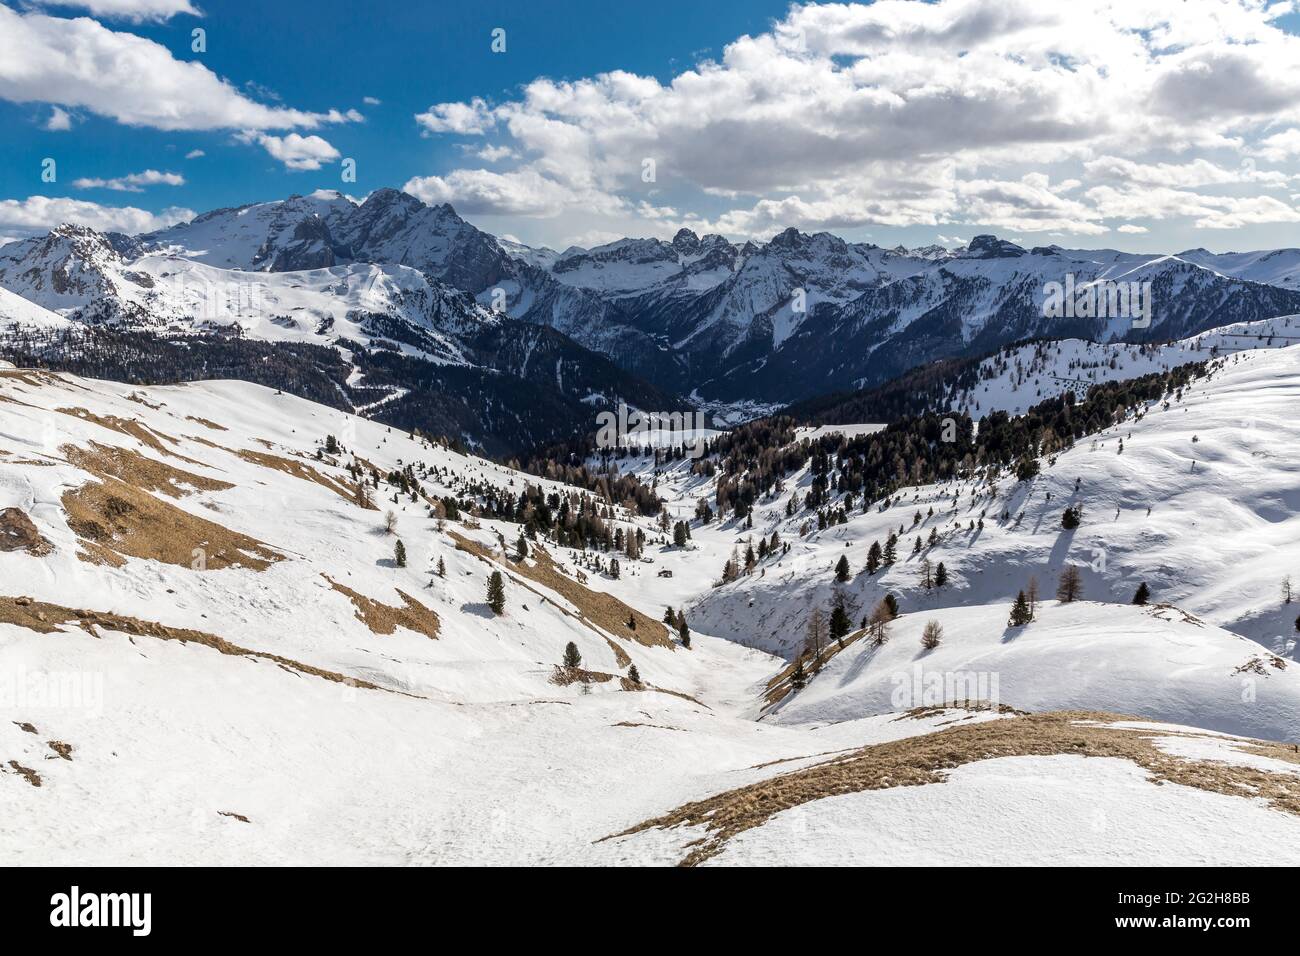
[136, 11]
[295, 151]
[39, 213]
[468, 119]
[371, 101]
[132, 182]
[524, 193]
[128, 78]
[907, 114]
[494, 154]
[195, 154]
[59, 121]
[1129, 229]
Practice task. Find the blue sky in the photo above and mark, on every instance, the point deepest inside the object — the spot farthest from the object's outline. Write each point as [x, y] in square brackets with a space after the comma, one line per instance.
[1087, 124]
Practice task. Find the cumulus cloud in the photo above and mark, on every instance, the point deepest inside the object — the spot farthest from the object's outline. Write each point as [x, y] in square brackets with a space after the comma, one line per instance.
[59, 121]
[195, 154]
[40, 213]
[295, 151]
[128, 78]
[903, 113]
[523, 193]
[135, 11]
[132, 182]
[469, 119]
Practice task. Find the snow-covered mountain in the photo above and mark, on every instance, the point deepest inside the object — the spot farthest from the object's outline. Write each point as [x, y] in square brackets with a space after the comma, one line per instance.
[205, 577]
[735, 327]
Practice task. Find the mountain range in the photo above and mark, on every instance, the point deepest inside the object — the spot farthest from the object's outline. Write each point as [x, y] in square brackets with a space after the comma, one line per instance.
[423, 306]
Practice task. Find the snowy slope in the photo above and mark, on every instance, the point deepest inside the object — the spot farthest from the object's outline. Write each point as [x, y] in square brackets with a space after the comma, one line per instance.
[210, 655]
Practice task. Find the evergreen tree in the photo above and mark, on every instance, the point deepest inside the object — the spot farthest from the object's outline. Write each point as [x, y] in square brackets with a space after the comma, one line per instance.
[891, 548]
[842, 569]
[873, 558]
[840, 624]
[496, 593]
[670, 617]
[634, 675]
[399, 554]
[891, 603]
[940, 575]
[521, 547]
[1019, 611]
[683, 631]
[1071, 517]
[572, 658]
[442, 567]
[1143, 593]
[799, 679]
[679, 534]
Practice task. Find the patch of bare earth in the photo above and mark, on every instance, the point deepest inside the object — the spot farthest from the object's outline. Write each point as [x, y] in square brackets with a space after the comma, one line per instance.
[298, 469]
[385, 619]
[18, 533]
[149, 474]
[779, 686]
[207, 424]
[130, 426]
[121, 519]
[46, 618]
[594, 607]
[926, 759]
[28, 774]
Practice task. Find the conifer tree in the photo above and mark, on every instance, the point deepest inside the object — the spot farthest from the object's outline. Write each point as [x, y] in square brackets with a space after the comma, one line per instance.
[634, 675]
[932, 635]
[1019, 611]
[842, 569]
[1070, 587]
[572, 659]
[940, 575]
[840, 624]
[799, 679]
[873, 558]
[1143, 593]
[399, 554]
[496, 593]
[683, 631]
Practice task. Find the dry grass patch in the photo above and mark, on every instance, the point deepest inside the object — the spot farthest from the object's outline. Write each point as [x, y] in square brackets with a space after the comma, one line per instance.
[596, 608]
[923, 760]
[778, 688]
[130, 426]
[385, 619]
[207, 424]
[46, 618]
[28, 774]
[18, 533]
[149, 474]
[119, 518]
[299, 470]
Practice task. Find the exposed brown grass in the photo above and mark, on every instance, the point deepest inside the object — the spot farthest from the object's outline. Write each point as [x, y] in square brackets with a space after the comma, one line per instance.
[779, 686]
[207, 424]
[139, 470]
[298, 469]
[926, 759]
[18, 533]
[60, 748]
[597, 608]
[385, 619]
[129, 522]
[28, 774]
[130, 426]
[46, 618]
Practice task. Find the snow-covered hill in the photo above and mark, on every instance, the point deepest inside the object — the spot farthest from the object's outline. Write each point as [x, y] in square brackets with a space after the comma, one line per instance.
[210, 652]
